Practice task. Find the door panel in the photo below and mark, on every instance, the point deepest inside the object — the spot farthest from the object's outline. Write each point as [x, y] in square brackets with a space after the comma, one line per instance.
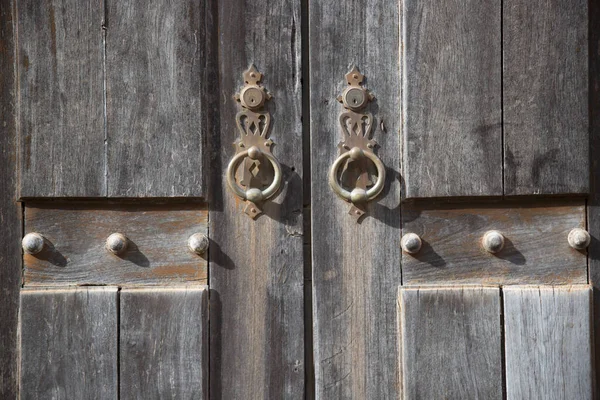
[452, 98]
[69, 343]
[548, 342]
[163, 343]
[157, 251]
[61, 98]
[450, 343]
[545, 82]
[157, 109]
[355, 269]
[256, 266]
[536, 248]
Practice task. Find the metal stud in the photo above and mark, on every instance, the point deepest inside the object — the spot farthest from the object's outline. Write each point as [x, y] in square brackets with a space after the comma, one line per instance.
[117, 243]
[411, 243]
[33, 243]
[198, 243]
[492, 241]
[579, 239]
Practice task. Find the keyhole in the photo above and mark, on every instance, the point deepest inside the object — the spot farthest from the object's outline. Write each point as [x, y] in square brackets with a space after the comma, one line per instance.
[354, 101]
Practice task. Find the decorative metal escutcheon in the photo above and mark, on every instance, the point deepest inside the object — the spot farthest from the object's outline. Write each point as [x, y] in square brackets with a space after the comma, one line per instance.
[259, 177]
[357, 157]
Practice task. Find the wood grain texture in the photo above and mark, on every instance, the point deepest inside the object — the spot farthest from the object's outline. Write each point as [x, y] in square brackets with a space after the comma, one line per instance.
[546, 120]
[163, 343]
[75, 253]
[256, 267]
[69, 343]
[452, 98]
[548, 342]
[156, 114]
[593, 211]
[10, 210]
[61, 99]
[450, 342]
[536, 249]
[355, 265]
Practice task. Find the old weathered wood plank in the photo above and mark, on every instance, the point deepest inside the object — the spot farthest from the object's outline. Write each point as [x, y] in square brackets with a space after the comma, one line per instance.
[536, 249]
[545, 83]
[157, 252]
[548, 340]
[10, 210]
[61, 99]
[593, 211]
[452, 98]
[450, 343]
[256, 267]
[163, 343]
[69, 343]
[156, 104]
[355, 265]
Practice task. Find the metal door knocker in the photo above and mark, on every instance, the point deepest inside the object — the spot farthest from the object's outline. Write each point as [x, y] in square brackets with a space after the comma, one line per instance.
[357, 149]
[253, 148]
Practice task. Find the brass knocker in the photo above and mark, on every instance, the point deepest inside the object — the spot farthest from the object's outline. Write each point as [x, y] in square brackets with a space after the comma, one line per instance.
[357, 146]
[254, 145]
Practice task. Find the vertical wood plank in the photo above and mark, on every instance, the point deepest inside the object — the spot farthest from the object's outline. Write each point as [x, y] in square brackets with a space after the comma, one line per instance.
[548, 342]
[355, 265]
[156, 75]
[69, 343]
[546, 120]
[452, 98]
[61, 98]
[593, 210]
[163, 343]
[10, 210]
[256, 267]
[450, 343]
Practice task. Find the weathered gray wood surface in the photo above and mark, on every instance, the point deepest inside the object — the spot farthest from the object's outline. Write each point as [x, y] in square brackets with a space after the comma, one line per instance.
[69, 343]
[450, 343]
[76, 234]
[61, 99]
[355, 265]
[452, 98]
[536, 249]
[593, 211]
[10, 210]
[548, 342]
[545, 61]
[163, 343]
[156, 85]
[256, 268]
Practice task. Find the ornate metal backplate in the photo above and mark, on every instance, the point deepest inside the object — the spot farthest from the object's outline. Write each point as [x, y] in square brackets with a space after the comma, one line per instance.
[357, 160]
[254, 166]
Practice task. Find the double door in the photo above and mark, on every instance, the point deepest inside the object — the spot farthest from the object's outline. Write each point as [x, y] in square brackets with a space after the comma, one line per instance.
[244, 199]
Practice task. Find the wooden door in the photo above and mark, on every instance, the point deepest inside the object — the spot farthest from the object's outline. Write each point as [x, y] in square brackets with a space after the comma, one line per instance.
[485, 118]
[121, 116]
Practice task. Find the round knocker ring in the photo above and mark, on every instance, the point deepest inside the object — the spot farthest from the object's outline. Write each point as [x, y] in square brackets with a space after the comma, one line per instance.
[254, 195]
[357, 195]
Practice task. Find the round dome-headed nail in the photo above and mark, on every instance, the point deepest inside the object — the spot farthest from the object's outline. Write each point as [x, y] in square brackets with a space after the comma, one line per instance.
[198, 243]
[33, 243]
[493, 241]
[411, 243]
[117, 243]
[579, 239]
